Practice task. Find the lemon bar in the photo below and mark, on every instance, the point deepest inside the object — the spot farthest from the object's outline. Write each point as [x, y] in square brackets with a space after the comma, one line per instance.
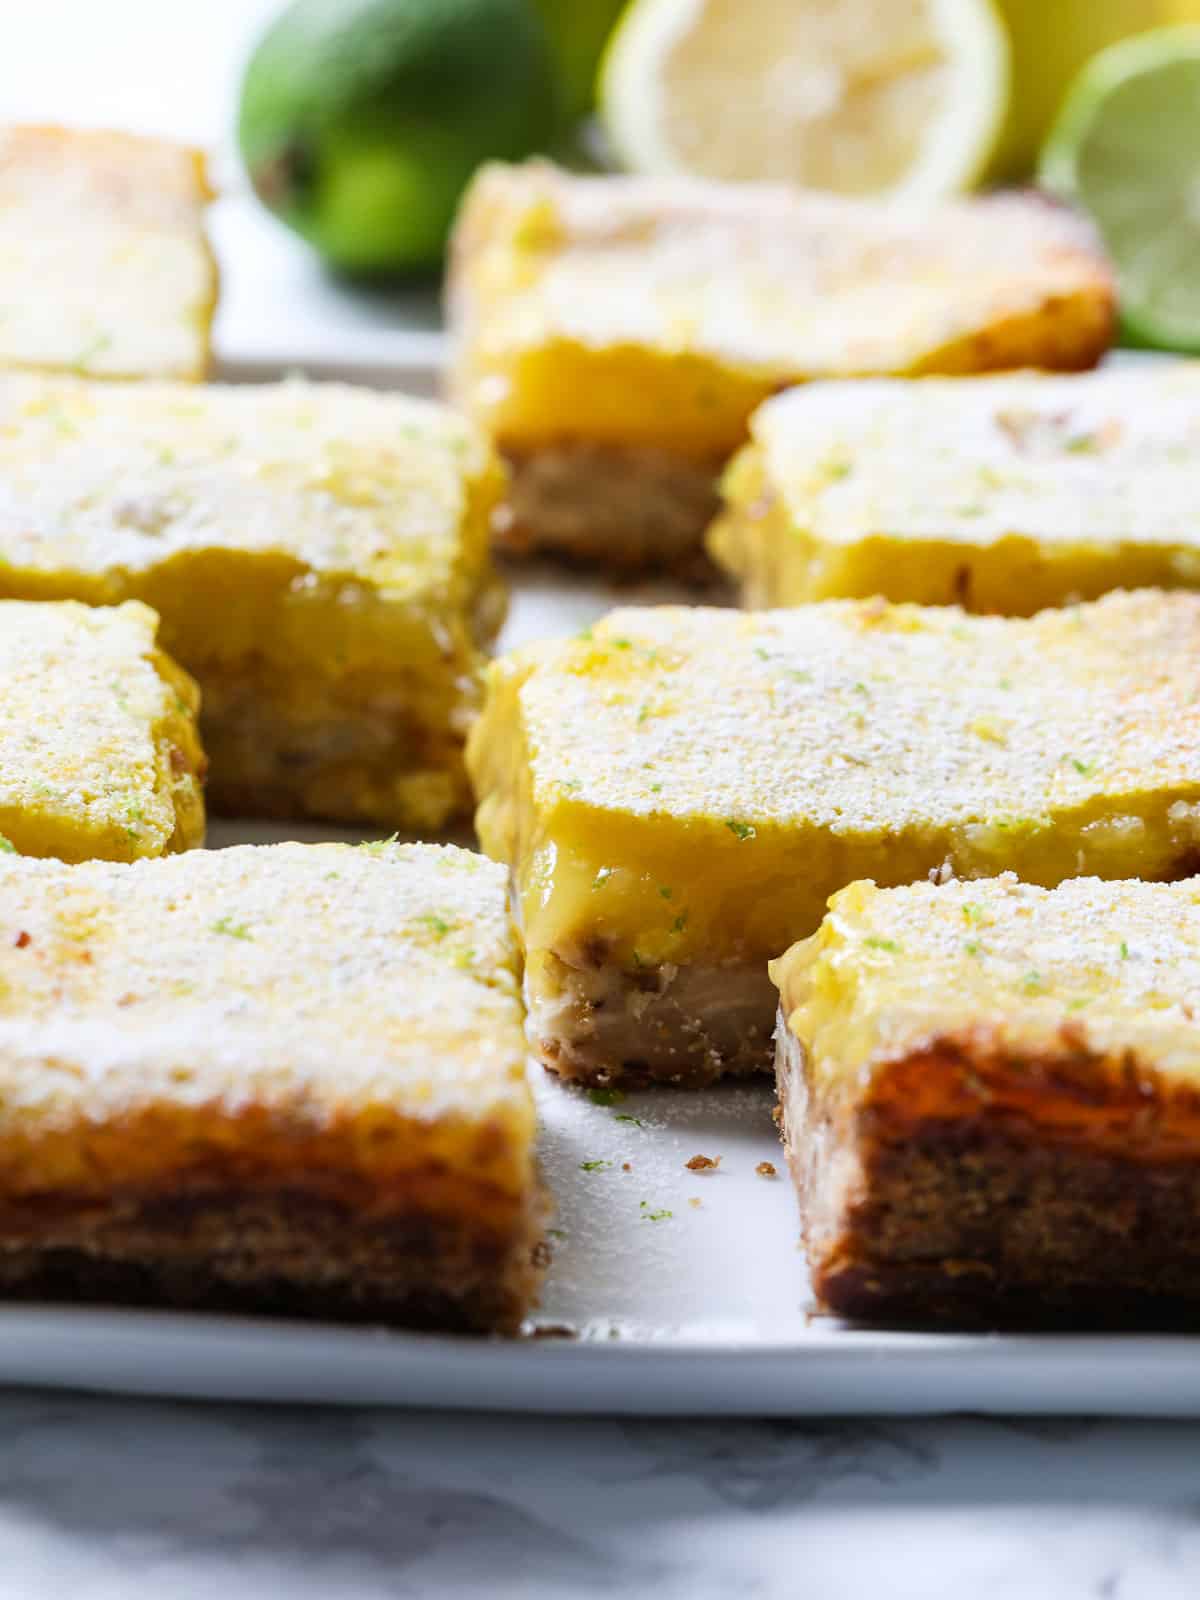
[989, 1098]
[104, 264]
[615, 334]
[999, 494]
[99, 754]
[282, 1078]
[679, 791]
[318, 555]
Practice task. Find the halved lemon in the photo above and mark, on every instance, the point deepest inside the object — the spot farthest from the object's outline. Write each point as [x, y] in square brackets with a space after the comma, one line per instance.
[868, 97]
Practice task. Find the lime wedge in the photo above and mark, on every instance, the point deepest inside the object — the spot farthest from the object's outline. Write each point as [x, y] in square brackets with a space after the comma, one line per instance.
[1126, 148]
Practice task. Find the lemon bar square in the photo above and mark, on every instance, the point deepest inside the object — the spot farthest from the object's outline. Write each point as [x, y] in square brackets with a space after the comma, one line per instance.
[989, 1102]
[99, 753]
[318, 555]
[104, 264]
[285, 1078]
[680, 790]
[998, 494]
[615, 334]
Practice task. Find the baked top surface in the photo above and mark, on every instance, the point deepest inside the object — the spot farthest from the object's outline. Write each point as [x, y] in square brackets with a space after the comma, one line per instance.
[101, 479]
[1108, 458]
[313, 984]
[1090, 966]
[858, 717]
[104, 267]
[759, 277]
[92, 728]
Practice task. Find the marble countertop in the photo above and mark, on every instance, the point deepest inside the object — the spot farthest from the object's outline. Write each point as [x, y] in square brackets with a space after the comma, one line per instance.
[102, 1499]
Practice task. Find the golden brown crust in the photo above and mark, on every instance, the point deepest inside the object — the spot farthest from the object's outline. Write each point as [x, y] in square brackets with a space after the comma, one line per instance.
[292, 1251]
[674, 1026]
[631, 508]
[969, 1186]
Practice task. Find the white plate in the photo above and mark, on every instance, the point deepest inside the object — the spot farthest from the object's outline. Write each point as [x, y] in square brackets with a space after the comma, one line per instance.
[700, 1312]
[685, 1293]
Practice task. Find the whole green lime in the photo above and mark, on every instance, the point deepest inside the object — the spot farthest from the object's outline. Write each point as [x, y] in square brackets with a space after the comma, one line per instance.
[361, 121]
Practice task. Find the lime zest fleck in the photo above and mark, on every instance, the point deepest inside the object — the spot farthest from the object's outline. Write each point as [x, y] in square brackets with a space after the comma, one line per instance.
[374, 846]
[624, 1116]
[602, 877]
[594, 1166]
[8, 846]
[94, 347]
[606, 1097]
[231, 929]
[680, 922]
[649, 1215]
[875, 943]
[1124, 948]
[741, 830]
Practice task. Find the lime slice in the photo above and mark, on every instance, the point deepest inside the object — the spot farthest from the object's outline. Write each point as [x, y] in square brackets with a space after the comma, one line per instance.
[1050, 44]
[1126, 148]
[861, 97]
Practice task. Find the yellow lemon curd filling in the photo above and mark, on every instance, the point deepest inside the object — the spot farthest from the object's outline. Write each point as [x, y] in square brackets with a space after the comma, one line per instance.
[636, 311]
[319, 558]
[891, 970]
[1003, 494]
[99, 753]
[688, 786]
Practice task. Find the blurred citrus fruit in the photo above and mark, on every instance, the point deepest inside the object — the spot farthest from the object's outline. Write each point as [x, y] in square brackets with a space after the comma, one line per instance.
[861, 96]
[578, 30]
[1125, 148]
[1050, 41]
[361, 120]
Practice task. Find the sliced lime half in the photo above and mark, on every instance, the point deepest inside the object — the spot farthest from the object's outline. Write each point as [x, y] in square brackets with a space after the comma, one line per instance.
[1126, 148]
